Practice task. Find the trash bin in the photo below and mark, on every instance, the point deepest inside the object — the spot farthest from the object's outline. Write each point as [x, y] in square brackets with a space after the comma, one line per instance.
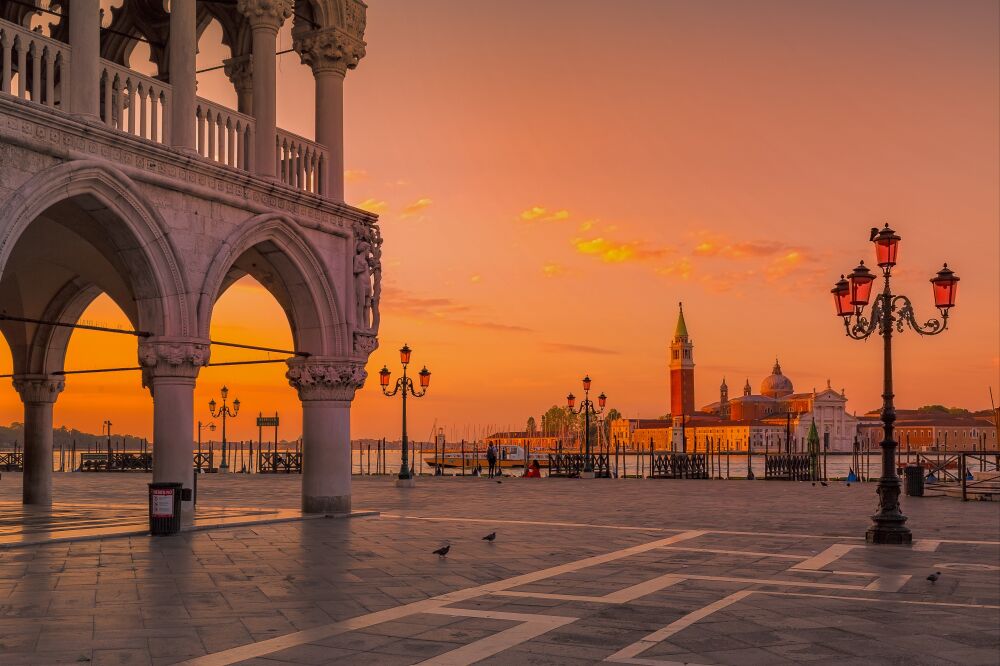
[914, 480]
[164, 508]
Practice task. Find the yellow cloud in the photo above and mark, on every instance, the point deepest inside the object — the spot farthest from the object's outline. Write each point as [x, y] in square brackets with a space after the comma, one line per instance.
[552, 270]
[417, 206]
[355, 175]
[373, 206]
[681, 269]
[540, 214]
[476, 279]
[616, 252]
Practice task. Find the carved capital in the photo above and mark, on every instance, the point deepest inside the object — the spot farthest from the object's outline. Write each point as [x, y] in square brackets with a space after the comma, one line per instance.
[35, 389]
[364, 344]
[325, 379]
[269, 13]
[171, 357]
[330, 50]
[240, 72]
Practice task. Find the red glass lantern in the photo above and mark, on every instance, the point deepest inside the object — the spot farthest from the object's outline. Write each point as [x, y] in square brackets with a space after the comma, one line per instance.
[404, 354]
[842, 297]
[602, 400]
[383, 376]
[886, 247]
[425, 377]
[211, 404]
[586, 383]
[861, 285]
[236, 404]
[571, 401]
[225, 392]
[945, 285]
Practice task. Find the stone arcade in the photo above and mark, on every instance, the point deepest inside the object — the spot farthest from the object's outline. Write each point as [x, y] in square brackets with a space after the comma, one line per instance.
[116, 182]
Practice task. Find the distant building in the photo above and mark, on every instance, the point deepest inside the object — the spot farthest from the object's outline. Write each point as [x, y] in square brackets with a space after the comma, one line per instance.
[521, 438]
[920, 430]
[681, 369]
[636, 434]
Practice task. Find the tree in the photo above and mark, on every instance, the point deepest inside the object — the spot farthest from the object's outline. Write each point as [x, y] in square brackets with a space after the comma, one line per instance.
[554, 421]
[611, 415]
[531, 428]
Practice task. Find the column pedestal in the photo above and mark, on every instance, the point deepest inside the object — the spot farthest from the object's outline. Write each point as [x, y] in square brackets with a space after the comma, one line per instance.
[38, 393]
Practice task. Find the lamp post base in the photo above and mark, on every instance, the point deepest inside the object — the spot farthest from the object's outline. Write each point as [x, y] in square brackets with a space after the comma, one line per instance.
[890, 535]
[586, 475]
[406, 483]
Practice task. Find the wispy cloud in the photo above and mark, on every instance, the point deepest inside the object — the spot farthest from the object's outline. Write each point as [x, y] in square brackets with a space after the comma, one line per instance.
[355, 175]
[542, 214]
[576, 349]
[714, 245]
[402, 302]
[415, 208]
[553, 270]
[616, 252]
[373, 206]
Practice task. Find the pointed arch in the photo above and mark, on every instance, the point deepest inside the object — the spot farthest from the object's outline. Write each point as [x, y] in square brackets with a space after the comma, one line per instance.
[271, 248]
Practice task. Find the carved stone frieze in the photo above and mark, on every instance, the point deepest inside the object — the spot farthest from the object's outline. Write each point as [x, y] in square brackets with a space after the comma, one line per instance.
[35, 389]
[364, 344]
[271, 13]
[239, 70]
[367, 275]
[325, 379]
[329, 49]
[172, 357]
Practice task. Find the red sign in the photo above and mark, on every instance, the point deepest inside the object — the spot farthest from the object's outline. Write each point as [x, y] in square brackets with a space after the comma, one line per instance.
[162, 503]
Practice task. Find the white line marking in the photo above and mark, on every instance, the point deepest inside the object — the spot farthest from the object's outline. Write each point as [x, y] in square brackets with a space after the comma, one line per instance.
[738, 552]
[828, 556]
[643, 644]
[531, 627]
[260, 648]
[889, 583]
[877, 600]
[926, 545]
[620, 597]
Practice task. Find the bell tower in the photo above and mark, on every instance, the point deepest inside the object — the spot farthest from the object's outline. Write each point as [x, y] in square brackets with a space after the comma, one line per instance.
[681, 369]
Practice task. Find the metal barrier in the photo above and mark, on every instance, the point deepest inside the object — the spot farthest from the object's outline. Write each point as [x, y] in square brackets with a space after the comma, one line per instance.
[572, 464]
[273, 462]
[12, 461]
[678, 466]
[116, 462]
[788, 467]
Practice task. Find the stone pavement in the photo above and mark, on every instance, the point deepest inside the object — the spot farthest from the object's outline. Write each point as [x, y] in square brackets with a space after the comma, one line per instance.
[625, 571]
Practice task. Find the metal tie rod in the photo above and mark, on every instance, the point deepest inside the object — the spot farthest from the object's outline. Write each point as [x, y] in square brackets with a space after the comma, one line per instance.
[145, 334]
[133, 369]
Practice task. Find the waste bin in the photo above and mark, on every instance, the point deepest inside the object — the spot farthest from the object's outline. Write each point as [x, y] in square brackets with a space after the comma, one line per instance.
[914, 480]
[164, 508]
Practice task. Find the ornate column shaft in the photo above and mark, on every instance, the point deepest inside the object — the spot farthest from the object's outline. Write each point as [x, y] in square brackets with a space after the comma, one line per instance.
[330, 52]
[169, 369]
[183, 76]
[266, 17]
[38, 393]
[326, 388]
[84, 89]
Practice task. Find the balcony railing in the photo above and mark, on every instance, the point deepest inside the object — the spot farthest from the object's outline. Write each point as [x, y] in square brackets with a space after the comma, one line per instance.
[37, 69]
[301, 163]
[32, 64]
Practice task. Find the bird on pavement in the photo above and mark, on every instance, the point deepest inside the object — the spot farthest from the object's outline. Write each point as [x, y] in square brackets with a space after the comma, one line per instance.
[934, 576]
[442, 551]
[492, 536]
[499, 481]
[814, 483]
[824, 484]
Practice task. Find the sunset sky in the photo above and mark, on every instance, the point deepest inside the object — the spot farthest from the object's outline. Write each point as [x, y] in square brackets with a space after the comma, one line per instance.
[554, 176]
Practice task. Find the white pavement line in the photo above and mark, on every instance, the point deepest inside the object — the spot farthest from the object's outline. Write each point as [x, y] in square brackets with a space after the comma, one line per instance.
[926, 545]
[752, 553]
[532, 626]
[771, 581]
[269, 646]
[622, 596]
[889, 583]
[878, 600]
[828, 556]
[643, 644]
[530, 522]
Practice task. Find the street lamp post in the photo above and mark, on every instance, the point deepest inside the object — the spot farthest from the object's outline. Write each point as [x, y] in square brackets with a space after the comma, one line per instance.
[587, 408]
[211, 428]
[224, 412]
[851, 296]
[404, 385]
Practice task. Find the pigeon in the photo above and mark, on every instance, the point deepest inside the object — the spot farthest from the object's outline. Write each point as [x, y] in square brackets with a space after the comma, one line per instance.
[498, 481]
[824, 484]
[814, 483]
[848, 485]
[874, 233]
[934, 576]
[492, 536]
[442, 551]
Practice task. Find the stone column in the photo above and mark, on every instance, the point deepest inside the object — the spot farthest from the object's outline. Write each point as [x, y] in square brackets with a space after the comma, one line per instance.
[240, 73]
[183, 76]
[326, 388]
[83, 89]
[266, 17]
[169, 369]
[38, 393]
[330, 53]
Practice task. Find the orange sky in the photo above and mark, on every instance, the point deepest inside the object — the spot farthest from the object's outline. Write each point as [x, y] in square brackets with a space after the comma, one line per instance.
[554, 177]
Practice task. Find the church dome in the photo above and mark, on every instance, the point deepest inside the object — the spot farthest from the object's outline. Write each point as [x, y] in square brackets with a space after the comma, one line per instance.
[776, 385]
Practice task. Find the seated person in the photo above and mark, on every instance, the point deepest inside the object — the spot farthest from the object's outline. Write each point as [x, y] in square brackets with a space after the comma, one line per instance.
[533, 471]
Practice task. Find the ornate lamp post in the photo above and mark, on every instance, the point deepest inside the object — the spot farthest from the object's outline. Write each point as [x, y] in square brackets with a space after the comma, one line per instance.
[851, 295]
[586, 408]
[405, 385]
[203, 426]
[224, 412]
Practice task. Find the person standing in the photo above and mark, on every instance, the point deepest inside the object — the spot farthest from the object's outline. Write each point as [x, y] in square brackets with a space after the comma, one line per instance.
[491, 458]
